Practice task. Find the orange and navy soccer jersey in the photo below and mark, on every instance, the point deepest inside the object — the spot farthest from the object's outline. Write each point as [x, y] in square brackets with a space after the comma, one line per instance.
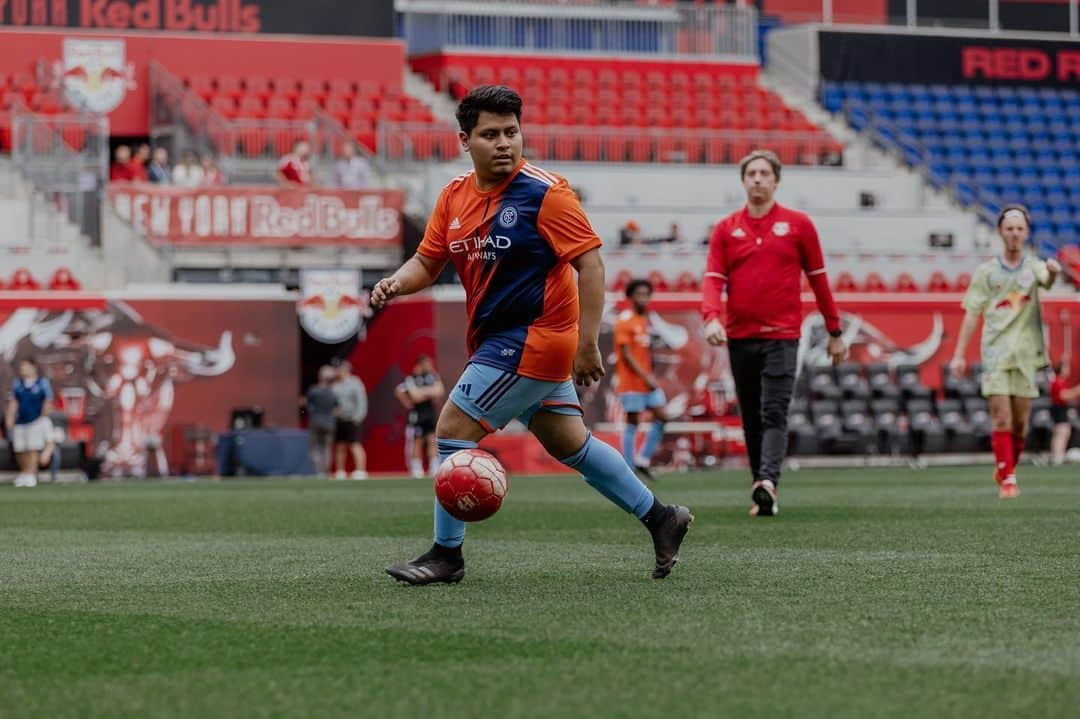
[632, 330]
[511, 247]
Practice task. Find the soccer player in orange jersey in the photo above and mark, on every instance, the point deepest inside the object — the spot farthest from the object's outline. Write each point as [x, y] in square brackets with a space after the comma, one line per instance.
[515, 232]
[638, 388]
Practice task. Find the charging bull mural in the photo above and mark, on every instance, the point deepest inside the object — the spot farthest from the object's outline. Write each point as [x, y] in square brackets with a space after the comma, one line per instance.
[119, 376]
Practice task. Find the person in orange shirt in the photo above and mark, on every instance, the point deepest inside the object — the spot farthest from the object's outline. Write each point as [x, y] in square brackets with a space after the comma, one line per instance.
[515, 233]
[638, 388]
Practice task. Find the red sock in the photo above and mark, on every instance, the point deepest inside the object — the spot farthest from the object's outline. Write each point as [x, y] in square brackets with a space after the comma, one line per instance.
[1002, 443]
[1018, 448]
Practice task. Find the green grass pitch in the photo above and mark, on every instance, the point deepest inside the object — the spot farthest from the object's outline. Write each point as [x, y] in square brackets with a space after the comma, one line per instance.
[875, 593]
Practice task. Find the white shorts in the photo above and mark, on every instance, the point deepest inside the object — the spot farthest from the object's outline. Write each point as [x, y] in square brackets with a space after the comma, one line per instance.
[32, 437]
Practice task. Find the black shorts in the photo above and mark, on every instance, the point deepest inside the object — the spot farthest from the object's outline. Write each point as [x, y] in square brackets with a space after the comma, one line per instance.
[421, 424]
[346, 431]
[1059, 413]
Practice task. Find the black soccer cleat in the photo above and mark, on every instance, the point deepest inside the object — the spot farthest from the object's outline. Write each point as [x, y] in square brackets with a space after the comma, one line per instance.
[667, 537]
[438, 564]
[765, 501]
[644, 472]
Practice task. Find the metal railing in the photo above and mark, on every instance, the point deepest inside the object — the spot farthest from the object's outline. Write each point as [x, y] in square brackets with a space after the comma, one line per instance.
[412, 142]
[65, 159]
[613, 28]
[247, 149]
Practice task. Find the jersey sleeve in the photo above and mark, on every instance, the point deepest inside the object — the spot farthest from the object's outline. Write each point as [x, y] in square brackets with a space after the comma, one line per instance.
[978, 293]
[813, 264]
[46, 389]
[562, 222]
[434, 243]
[712, 304]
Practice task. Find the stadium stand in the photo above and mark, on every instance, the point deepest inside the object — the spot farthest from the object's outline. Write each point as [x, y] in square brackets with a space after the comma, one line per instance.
[631, 110]
[991, 145]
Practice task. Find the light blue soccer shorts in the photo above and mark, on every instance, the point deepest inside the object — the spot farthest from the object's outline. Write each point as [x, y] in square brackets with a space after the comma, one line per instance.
[640, 401]
[493, 396]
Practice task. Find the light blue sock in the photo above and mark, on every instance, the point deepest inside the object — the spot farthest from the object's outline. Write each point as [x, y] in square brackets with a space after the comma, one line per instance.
[653, 439]
[629, 434]
[609, 474]
[449, 532]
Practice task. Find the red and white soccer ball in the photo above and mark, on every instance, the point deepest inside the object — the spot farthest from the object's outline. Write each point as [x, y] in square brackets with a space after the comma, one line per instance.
[471, 484]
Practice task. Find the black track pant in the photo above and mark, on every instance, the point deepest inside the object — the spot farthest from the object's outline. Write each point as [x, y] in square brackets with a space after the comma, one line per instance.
[764, 372]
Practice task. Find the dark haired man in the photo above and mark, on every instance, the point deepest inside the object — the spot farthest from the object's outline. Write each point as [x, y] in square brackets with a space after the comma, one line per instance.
[514, 232]
[638, 388]
[759, 254]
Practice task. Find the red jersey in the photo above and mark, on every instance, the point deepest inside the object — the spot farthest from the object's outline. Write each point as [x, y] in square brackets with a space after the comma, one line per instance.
[121, 172]
[760, 261]
[138, 171]
[512, 246]
[295, 170]
[632, 330]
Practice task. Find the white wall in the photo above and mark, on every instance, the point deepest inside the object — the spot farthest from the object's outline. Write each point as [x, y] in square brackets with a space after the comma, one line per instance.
[654, 196]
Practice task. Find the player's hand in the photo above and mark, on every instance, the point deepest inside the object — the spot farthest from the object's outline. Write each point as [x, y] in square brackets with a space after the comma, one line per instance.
[837, 350]
[588, 365]
[957, 367]
[385, 290]
[650, 380]
[715, 334]
[1054, 266]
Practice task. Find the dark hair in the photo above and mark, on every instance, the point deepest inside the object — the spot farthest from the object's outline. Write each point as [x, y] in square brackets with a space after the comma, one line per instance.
[1009, 208]
[632, 286]
[768, 155]
[496, 99]
[29, 360]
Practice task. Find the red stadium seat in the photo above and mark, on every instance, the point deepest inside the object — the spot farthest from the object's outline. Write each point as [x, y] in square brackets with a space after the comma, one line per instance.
[622, 279]
[938, 283]
[62, 279]
[202, 86]
[258, 86]
[230, 86]
[225, 106]
[21, 279]
[251, 106]
[687, 282]
[963, 281]
[874, 283]
[658, 281]
[845, 283]
[905, 283]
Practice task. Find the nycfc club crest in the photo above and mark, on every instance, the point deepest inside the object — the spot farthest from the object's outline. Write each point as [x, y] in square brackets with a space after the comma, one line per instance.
[94, 75]
[332, 308]
[508, 216]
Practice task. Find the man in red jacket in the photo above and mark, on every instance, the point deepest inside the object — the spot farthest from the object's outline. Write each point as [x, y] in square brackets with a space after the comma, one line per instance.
[758, 253]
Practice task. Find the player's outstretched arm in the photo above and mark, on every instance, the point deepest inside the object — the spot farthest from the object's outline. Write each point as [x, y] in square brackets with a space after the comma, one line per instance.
[588, 365]
[967, 328]
[417, 273]
[1053, 269]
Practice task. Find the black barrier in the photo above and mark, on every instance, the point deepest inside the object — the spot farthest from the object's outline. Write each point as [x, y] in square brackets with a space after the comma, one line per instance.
[948, 59]
[363, 18]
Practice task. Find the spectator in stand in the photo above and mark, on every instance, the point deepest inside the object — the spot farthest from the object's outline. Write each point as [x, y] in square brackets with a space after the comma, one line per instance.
[187, 172]
[674, 234]
[294, 170]
[352, 171]
[630, 234]
[212, 176]
[121, 170]
[139, 163]
[158, 169]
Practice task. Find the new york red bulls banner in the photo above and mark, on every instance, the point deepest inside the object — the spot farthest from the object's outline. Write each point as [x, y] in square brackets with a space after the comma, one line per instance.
[280, 217]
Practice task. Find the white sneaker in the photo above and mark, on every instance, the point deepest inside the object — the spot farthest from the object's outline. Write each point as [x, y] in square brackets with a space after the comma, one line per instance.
[26, 480]
[358, 474]
[340, 474]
